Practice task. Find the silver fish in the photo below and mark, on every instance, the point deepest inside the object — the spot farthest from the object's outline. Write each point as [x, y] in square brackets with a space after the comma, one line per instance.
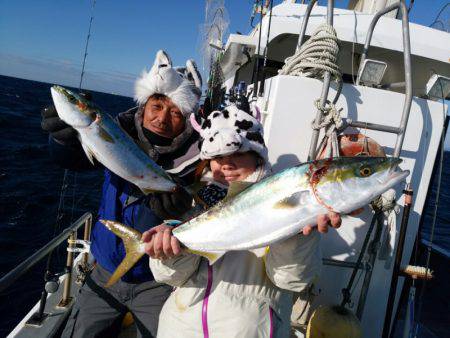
[103, 139]
[279, 206]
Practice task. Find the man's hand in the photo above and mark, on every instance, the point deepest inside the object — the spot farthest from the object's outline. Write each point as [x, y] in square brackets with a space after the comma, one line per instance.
[57, 128]
[160, 243]
[324, 221]
[170, 205]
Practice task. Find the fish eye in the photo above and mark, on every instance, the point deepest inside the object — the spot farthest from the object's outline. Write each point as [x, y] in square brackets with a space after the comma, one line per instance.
[365, 171]
[71, 98]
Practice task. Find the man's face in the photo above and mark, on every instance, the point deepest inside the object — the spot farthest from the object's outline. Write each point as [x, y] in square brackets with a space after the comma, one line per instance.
[234, 167]
[163, 117]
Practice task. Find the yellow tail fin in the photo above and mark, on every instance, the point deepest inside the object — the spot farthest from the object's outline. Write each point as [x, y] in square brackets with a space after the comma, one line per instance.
[133, 248]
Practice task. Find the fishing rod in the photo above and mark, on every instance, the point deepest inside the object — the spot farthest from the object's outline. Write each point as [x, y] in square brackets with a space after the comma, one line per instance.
[51, 279]
[256, 67]
[266, 48]
[87, 43]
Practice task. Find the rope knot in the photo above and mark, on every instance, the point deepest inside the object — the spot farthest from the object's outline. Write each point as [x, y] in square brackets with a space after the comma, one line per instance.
[331, 118]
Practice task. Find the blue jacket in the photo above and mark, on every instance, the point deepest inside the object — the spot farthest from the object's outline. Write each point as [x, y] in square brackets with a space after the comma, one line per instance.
[123, 202]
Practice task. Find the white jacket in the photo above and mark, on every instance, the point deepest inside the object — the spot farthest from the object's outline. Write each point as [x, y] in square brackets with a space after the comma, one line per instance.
[244, 294]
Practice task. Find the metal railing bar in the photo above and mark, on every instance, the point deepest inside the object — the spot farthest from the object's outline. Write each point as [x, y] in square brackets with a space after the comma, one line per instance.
[372, 126]
[342, 264]
[27, 264]
[407, 63]
[301, 36]
[325, 87]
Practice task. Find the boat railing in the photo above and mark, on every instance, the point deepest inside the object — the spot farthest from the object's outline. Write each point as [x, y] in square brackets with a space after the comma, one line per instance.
[70, 234]
[399, 131]
[408, 74]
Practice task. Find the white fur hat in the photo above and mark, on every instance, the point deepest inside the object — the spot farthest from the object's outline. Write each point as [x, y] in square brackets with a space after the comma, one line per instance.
[181, 85]
[231, 130]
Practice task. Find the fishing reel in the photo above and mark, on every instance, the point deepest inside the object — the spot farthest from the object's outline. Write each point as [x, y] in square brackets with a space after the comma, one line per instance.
[52, 281]
[237, 96]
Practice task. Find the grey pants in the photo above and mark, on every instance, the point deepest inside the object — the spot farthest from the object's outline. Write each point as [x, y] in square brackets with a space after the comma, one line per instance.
[98, 312]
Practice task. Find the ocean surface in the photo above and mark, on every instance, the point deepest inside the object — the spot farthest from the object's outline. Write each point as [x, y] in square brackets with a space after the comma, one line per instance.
[31, 189]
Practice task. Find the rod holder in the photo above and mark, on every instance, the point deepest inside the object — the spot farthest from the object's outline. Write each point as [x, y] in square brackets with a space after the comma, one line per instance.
[66, 298]
[86, 237]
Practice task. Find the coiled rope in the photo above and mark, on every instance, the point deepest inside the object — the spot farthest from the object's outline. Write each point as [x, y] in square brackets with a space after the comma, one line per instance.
[316, 56]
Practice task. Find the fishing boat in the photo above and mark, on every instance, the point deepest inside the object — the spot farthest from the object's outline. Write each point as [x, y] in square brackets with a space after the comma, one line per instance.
[377, 86]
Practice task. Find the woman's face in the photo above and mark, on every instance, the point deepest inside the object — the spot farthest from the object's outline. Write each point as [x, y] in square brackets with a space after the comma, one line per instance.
[234, 167]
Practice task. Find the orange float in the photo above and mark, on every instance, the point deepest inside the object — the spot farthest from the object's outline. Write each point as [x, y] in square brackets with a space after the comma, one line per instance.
[355, 145]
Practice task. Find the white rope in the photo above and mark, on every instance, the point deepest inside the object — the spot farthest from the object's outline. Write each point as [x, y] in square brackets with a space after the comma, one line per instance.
[316, 56]
[331, 118]
[387, 203]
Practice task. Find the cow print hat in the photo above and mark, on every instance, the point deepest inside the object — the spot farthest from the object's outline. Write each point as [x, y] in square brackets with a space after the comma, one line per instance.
[231, 130]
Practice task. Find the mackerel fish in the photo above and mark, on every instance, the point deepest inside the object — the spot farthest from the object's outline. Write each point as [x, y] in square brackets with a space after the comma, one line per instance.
[277, 207]
[103, 139]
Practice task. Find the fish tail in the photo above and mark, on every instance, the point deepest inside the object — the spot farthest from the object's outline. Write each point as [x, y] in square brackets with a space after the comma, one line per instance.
[133, 248]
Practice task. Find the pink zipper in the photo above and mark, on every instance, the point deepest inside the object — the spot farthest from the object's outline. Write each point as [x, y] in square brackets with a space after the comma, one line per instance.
[271, 322]
[205, 303]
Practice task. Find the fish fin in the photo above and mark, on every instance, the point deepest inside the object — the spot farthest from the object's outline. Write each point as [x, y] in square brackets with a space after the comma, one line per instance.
[194, 188]
[235, 188]
[104, 135]
[212, 257]
[133, 248]
[289, 202]
[90, 154]
[148, 191]
[260, 252]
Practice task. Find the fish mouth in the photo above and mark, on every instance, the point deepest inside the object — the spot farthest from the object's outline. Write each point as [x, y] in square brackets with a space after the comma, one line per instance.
[62, 91]
[394, 177]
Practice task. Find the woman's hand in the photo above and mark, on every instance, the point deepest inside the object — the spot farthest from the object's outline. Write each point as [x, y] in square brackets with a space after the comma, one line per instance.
[160, 243]
[332, 219]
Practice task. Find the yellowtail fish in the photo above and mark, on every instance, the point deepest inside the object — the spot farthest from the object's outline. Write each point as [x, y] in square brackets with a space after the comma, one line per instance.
[279, 206]
[103, 139]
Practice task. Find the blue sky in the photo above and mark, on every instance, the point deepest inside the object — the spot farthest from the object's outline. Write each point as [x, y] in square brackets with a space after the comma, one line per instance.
[44, 40]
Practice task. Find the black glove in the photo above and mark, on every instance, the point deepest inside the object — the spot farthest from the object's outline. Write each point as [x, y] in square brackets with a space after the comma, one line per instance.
[168, 205]
[60, 131]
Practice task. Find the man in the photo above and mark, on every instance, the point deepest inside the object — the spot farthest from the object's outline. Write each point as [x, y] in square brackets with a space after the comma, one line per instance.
[160, 126]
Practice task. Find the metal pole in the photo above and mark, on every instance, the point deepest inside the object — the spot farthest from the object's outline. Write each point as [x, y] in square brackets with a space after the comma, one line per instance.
[69, 264]
[266, 50]
[86, 237]
[325, 89]
[346, 291]
[306, 16]
[398, 259]
[372, 126]
[342, 264]
[373, 249]
[256, 73]
[408, 80]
